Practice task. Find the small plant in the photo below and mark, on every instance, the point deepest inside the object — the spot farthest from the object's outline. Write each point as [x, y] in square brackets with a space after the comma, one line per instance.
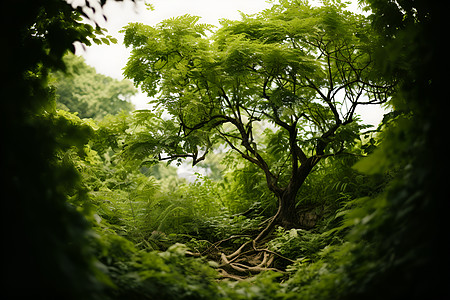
[297, 243]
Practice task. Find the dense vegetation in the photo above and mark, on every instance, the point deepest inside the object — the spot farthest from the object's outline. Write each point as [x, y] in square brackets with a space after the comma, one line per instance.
[301, 200]
[81, 90]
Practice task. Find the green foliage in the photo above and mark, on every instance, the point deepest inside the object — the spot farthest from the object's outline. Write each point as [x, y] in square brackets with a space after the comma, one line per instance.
[183, 210]
[224, 225]
[188, 279]
[244, 188]
[299, 244]
[334, 275]
[81, 89]
[335, 182]
[395, 233]
[48, 247]
[268, 68]
[86, 221]
[124, 201]
[163, 275]
[263, 286]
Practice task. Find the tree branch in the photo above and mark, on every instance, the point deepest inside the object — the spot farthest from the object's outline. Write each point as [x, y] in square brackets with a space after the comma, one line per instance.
[327, 100]
[194, 156]
[199, 125]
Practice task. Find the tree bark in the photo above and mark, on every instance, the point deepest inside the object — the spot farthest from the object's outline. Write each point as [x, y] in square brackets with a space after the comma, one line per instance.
[288, 216]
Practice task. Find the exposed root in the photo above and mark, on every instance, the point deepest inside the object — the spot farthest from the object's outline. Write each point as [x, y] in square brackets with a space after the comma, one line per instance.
[194, 254]
[240, 268]
[272, 252]
[250, 258]
[215, 246]
[238, 251]
[226, 275]
[246, 261]
[268, 229]
[249, 262]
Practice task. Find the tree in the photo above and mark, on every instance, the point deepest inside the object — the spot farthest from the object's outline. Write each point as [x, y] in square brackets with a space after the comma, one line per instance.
[46, 240]
[297, 69]
[81, 89]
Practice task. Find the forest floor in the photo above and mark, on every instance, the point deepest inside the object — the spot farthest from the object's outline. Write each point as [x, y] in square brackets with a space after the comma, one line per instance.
[242, 261]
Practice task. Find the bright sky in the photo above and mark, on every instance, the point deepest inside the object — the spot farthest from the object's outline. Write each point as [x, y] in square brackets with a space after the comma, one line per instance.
[110, 60]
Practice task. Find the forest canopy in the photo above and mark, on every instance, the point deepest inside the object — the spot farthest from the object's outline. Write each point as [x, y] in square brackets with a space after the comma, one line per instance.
[301, 69]
[305, 201]
[81, 89]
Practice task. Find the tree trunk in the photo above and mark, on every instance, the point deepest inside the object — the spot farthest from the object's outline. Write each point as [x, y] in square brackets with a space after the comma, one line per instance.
[288, 215]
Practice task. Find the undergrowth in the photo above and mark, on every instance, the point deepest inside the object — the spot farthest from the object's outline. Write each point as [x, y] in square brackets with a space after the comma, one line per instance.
[160, 237]
[92, 215]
